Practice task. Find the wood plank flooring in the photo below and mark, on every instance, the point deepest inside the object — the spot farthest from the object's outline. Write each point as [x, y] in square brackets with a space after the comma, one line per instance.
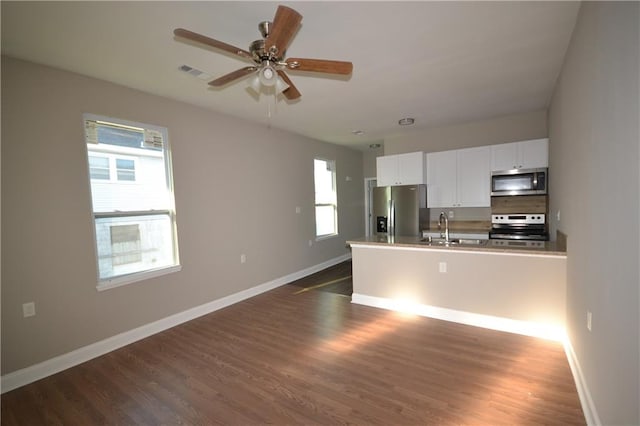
[310, 357]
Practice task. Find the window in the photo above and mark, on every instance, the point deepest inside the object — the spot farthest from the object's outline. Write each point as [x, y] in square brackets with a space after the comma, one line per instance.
[326, 198]
[112, 167]
[99, 167]
[132, 200]
[125, 169]
[125, 244]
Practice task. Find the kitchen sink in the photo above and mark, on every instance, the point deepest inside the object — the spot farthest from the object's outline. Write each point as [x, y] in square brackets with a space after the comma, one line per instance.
[453, 242]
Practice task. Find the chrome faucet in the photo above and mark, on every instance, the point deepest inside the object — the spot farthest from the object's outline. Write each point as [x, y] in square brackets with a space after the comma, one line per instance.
[446, 226]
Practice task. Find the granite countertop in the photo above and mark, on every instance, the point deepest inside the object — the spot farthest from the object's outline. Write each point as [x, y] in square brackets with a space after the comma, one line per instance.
[550, 248]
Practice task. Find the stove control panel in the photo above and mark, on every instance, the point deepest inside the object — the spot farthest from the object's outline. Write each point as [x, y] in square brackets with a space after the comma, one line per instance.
[517, 243]
[514, 219]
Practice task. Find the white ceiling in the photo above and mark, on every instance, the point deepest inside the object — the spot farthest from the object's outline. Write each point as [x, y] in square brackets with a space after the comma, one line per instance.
[439, 62]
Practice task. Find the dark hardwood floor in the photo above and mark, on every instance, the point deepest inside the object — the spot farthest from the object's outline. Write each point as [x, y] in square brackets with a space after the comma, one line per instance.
[336, 279]
[310, 357]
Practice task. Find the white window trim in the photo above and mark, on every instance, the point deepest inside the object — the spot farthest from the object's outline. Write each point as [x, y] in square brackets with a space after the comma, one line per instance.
[327, 236]
[335, 205]
[121, 280]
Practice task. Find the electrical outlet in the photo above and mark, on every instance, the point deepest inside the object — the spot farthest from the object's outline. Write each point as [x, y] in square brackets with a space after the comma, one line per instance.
[442, 266]
[243, 258]
[298, 209]
[28, 309]
[310, 243]
[558, 216]
[589, 318]
[451, 214]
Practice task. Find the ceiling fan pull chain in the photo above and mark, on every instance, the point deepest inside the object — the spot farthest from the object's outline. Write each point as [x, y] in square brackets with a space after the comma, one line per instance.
[268, 114]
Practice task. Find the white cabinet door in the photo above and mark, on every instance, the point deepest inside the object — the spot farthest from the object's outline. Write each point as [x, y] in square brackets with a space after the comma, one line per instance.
[504, 156]
[459, 178]
[411, 168]
[401, 169]
[474, 177]
[520, 155]
[387, 170]
[441, 179]
[534, 153]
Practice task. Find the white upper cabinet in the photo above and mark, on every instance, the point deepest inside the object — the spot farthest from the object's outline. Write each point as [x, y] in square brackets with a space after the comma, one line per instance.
[520, 155]
[474, 177]
[442, 179]
[459, 178]
[401, 169]
[387, 170]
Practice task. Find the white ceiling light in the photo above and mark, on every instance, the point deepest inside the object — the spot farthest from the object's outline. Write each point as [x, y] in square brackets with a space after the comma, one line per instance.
[267, 74]
[281, 86]
[256, 84]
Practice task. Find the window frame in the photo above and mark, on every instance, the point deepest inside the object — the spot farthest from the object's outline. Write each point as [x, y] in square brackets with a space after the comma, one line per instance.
[170, 211]
[334, 185]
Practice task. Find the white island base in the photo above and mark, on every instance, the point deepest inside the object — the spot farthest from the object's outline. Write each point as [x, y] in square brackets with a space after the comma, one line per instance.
[518, 293]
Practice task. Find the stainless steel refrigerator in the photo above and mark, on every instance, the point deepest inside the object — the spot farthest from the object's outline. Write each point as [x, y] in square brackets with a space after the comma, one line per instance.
[400, 210]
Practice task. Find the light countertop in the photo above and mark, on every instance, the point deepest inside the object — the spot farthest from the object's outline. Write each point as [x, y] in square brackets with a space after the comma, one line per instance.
[549, 248]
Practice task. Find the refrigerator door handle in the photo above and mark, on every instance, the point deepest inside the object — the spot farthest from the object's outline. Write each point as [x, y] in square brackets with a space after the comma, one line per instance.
[391, 226]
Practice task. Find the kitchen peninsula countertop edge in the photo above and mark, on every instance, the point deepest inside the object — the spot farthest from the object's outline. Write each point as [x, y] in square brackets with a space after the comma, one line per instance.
[550, 248]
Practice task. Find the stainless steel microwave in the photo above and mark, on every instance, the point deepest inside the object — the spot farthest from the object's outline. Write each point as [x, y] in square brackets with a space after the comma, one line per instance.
[519, 182]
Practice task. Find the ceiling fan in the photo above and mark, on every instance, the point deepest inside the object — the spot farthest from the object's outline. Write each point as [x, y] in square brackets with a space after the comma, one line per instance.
[268, 54]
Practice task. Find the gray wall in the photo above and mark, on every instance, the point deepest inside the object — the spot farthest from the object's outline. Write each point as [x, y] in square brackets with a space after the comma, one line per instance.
[594, 156]
[369, 161]
[511, 128]
[236, 187]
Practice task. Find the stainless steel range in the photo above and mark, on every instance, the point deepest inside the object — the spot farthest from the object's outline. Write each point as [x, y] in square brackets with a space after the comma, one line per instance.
[525, 226]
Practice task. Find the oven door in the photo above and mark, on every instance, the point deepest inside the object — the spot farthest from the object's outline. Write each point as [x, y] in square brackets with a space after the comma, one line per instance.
[519, 182]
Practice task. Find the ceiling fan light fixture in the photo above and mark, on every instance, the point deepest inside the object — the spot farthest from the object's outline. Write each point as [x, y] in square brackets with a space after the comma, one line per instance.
[281, 85]
[255, 84]
[268, 75]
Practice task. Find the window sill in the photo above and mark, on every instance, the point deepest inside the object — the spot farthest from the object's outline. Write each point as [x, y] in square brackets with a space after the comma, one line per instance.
[326, 237]
[135, 277]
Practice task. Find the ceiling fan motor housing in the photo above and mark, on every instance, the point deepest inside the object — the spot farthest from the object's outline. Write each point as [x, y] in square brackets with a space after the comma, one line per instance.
[260, 54]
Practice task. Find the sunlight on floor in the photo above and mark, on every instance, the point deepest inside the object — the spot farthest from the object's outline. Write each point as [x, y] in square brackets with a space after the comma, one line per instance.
[530, 393]
[364, 334]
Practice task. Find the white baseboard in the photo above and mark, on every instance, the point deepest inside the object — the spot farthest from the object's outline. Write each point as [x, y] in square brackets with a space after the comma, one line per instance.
[588, 407]
[527, 328]
[54, 365]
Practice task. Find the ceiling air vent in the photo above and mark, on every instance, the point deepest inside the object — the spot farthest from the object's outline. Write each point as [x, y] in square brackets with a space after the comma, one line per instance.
[195, 72]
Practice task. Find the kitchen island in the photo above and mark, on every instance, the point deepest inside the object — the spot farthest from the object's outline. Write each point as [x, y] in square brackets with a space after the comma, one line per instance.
[511, 288]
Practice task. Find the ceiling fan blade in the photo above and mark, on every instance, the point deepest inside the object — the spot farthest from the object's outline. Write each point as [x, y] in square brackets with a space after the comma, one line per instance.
[199, 38]
[228, 78]
[285, 25]
[290, 92]
[320, 65]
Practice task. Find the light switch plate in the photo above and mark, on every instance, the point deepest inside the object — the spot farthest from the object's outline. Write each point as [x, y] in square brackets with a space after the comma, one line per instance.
[28, 309]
